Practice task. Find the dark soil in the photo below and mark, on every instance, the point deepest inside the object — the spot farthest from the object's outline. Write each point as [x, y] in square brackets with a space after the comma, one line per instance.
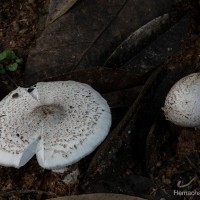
[21, 23]
[172, 153]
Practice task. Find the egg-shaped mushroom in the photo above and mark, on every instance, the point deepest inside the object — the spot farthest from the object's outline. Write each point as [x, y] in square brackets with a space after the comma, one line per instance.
[182, 104]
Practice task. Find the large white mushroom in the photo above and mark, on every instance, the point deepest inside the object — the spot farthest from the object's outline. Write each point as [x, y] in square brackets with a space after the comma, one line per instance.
[182, 104]
[61, 122]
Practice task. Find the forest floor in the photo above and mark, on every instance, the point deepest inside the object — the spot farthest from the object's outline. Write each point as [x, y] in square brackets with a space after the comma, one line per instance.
[177, 163]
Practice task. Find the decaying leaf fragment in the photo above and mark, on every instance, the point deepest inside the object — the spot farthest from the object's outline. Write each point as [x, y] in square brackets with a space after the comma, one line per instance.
[57, 8]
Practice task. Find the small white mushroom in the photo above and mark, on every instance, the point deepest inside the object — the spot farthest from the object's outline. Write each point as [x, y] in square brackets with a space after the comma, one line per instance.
[182, 104]
[61, 122]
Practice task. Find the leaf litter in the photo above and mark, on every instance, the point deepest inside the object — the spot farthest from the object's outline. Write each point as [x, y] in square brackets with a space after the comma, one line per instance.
[31, 181]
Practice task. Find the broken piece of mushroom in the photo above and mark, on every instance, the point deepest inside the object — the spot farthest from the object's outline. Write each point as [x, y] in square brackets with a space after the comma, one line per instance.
[61, 122]
[182, 105]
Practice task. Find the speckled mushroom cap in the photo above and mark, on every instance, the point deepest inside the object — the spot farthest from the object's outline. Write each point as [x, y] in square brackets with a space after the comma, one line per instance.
[182, 104]
[61, 122]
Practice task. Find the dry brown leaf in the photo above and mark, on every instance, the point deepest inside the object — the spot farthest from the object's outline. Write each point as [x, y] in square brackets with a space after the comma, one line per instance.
[87, 35]
[57, 8]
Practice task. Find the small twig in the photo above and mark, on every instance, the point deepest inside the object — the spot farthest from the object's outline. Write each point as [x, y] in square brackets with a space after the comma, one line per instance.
[13, 82]
[19, 192]
[187, 184]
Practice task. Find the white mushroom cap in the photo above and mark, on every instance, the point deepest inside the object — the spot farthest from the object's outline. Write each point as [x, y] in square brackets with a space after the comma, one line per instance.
[61, 122]
[182, 104]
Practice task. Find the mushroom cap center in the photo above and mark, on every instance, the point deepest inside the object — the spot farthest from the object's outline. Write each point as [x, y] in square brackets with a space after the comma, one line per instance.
[48, 112]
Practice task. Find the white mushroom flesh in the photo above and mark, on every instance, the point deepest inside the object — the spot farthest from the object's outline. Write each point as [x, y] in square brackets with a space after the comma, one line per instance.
[18, 137]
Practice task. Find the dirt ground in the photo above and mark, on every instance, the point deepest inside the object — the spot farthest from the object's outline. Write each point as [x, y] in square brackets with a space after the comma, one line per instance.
[21, 23]
[176, 158]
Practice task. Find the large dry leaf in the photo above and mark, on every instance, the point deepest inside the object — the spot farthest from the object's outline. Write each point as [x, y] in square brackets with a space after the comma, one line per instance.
[58, 8]
[143, 37]
[87, 34]
[99, 196]
[159, 50]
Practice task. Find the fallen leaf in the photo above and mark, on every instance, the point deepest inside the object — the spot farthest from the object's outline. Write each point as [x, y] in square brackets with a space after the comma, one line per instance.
[87, 35]
[57, 8]
[140, 39]
[161, 49]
